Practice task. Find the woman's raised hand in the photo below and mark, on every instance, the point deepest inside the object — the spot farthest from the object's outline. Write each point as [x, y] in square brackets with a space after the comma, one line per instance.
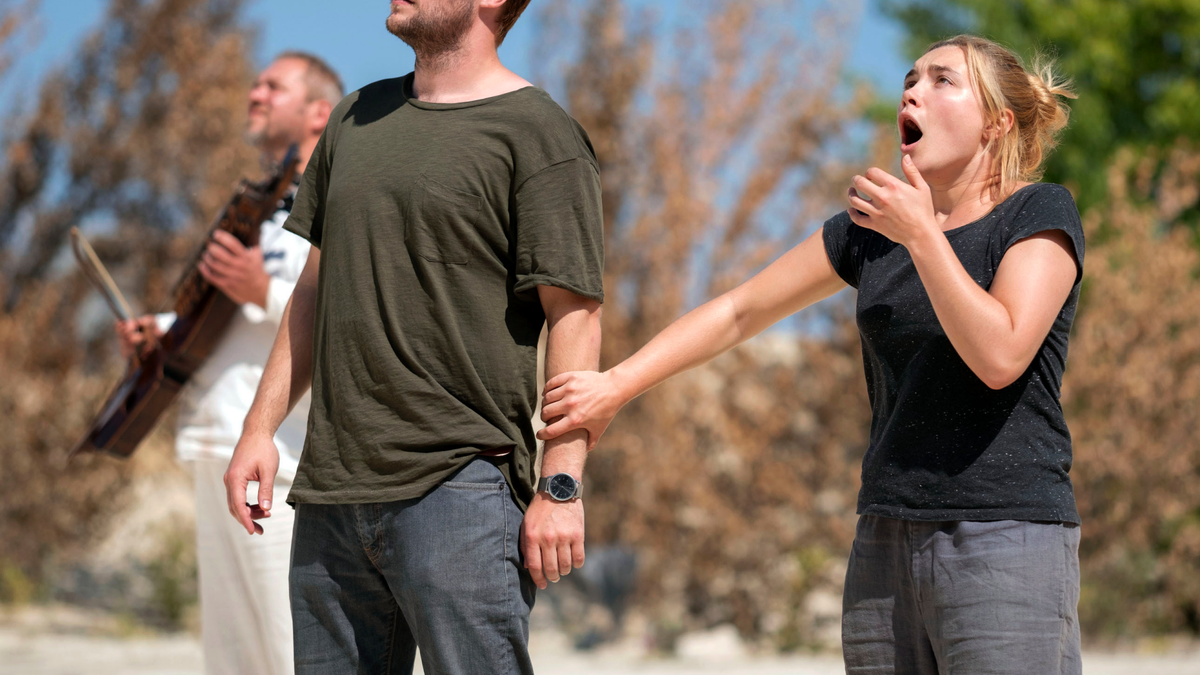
[580, 400]
[898, 210]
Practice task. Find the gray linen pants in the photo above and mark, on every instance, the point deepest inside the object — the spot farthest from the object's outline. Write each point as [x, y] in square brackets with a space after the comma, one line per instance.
[962, 598]
[372, 583]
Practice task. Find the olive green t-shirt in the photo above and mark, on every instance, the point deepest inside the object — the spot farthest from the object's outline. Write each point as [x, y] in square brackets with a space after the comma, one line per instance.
[436, 224]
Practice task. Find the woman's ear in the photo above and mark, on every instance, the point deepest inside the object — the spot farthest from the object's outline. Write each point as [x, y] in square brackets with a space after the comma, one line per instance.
[1007, 120]
[1000, 128]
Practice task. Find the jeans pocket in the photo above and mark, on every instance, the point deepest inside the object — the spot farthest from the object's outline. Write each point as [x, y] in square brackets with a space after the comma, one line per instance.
[478, 474]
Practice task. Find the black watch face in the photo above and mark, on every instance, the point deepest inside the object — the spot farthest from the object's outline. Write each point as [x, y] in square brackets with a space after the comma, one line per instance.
[561, 486]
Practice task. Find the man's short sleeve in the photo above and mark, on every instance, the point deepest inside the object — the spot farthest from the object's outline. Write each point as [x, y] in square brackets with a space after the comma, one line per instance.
[1050, 207]
[559, 229]
[307, 218]
[844, 246]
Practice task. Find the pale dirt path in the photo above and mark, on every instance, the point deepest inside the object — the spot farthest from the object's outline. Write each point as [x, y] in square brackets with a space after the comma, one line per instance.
[56, 654]
[40, 647]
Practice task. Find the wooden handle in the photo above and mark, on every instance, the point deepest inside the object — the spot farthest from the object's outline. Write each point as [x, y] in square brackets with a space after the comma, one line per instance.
[94, 270]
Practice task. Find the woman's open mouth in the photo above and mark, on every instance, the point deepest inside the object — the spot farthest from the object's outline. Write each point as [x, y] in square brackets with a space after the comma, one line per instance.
[910, 133]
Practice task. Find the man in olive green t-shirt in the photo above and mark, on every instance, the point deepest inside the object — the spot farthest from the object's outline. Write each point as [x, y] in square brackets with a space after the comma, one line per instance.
[453, 212]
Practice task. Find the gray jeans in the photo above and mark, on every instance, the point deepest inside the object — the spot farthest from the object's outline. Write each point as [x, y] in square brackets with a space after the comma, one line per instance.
[962, 598]
[370, 583]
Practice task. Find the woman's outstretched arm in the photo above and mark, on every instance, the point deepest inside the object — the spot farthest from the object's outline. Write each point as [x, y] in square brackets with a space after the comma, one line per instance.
[589, 400]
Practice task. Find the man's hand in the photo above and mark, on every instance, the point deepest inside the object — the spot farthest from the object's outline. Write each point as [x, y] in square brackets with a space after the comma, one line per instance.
[255, 459]
[236, 270]
[137, 335]
[552, 538]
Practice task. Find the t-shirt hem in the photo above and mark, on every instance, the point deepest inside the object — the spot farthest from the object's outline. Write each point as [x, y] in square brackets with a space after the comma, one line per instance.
[301, 229]
[362, 496]
[532, 281]
[1028, 514]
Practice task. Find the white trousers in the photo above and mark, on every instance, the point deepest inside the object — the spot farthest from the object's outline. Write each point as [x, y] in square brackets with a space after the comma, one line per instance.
[245, 613]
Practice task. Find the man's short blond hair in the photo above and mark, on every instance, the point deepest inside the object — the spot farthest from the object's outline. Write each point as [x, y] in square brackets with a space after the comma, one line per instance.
[509, 13]
[322, 81]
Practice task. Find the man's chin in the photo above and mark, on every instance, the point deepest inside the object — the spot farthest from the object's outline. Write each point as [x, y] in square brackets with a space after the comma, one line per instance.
[255, 136]
[397, 22]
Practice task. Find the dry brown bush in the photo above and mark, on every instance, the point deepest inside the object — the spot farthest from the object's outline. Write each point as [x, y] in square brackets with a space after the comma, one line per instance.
[735, 484]
[139, 142]
[1132, 397]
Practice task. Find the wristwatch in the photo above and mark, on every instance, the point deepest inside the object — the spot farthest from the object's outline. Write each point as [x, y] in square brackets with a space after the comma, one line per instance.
[561, 487]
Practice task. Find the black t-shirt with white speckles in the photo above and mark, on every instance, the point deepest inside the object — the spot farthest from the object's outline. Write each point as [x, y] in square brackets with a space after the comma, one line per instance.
[945, 446]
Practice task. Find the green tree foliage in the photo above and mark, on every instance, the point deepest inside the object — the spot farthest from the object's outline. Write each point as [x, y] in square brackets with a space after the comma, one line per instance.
[1135, 64]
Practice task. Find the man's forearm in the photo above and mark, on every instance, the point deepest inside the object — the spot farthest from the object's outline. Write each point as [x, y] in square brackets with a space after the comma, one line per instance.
[572, 343]
[288, 373]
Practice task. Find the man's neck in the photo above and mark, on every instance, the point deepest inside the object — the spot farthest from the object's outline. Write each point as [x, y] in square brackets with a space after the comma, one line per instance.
[271, 157]
[469, 73]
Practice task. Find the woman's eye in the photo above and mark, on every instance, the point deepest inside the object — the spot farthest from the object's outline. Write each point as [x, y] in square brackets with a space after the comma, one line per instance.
[945, 79]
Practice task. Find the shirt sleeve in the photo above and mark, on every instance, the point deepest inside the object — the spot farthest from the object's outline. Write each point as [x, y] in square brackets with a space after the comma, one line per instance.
[308, 210]
[559, 230]
[279, 292]
[1051, 207]
[844, 247]
[164, 321]
[284, 263]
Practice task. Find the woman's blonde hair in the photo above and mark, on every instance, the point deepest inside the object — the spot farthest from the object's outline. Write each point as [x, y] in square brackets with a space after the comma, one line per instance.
[1033, 95]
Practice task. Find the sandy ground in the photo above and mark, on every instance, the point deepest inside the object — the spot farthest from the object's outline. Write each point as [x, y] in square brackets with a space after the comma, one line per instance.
[62, 641]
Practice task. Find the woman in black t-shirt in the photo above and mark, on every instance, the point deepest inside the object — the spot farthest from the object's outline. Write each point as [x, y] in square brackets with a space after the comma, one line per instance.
[966, 555]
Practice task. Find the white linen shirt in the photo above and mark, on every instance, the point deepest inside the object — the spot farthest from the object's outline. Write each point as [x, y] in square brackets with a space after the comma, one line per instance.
[217, 397]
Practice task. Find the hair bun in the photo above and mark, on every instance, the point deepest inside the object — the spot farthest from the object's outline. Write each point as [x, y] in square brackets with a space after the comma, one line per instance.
[1034, 96]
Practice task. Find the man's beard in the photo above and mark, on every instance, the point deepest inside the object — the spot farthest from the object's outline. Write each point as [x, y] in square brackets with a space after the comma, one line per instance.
[275, 134]
[256, 137]
[435, 33]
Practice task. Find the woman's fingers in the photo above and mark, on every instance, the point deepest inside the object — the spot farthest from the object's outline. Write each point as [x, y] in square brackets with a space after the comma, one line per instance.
[555, 394]
[880, 177]
[859, 218]
[555, 430]
[912, 173]
[553, 410]
[557, 381]
[865, 207]
[865, 187]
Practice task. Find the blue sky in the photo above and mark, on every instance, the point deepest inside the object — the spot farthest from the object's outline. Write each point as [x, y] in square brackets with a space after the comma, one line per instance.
[352, 38]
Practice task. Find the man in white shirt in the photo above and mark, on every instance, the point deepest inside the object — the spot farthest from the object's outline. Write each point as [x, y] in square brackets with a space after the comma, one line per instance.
[246, 618]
